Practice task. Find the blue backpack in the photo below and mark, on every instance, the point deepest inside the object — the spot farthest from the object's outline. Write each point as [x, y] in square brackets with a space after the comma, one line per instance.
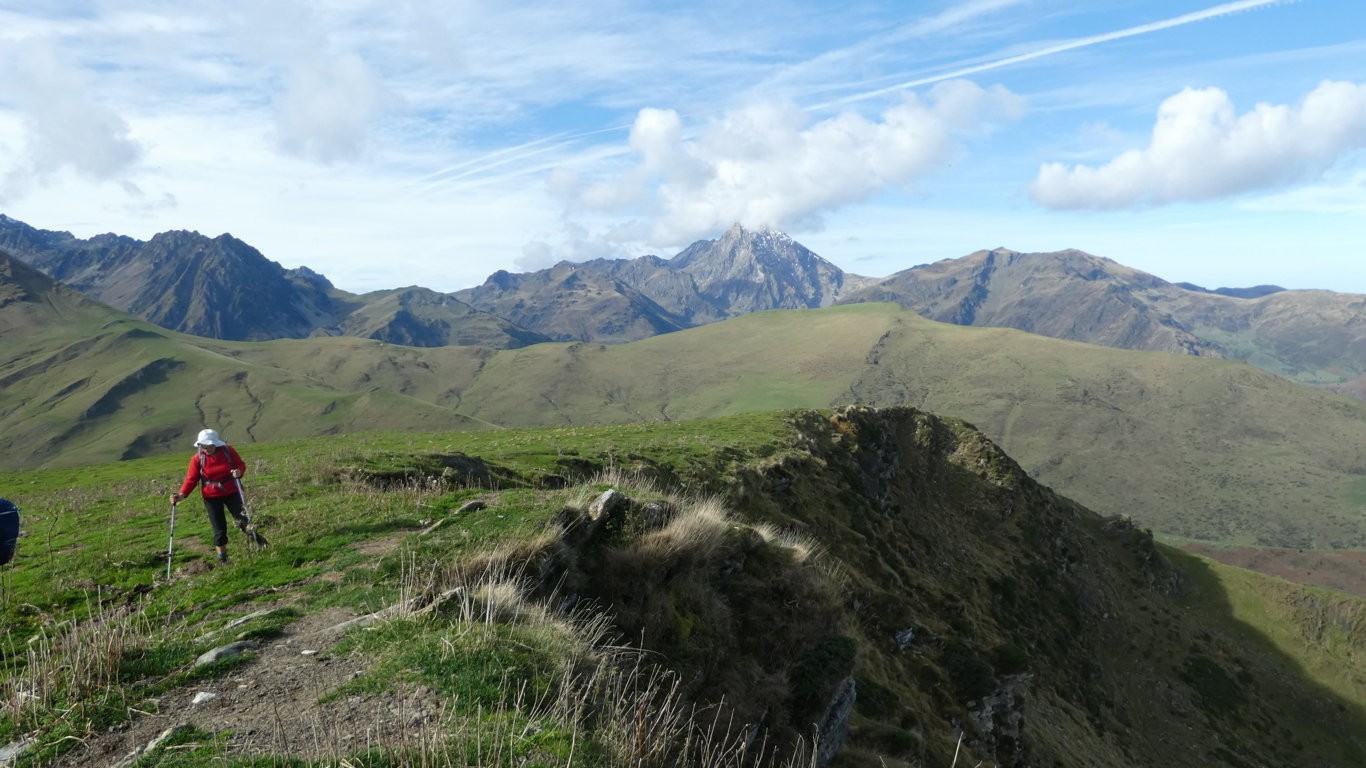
[9, 530]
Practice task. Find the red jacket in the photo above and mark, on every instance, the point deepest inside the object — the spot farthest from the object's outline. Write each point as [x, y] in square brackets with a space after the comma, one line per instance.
[216, 469]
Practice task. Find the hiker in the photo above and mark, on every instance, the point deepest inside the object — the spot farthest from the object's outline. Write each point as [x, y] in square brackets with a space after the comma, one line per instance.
[9, 530]
[215, 468]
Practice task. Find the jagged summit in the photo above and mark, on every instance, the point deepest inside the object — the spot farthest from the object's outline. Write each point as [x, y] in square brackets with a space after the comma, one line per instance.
[753, 270]
[612, 300]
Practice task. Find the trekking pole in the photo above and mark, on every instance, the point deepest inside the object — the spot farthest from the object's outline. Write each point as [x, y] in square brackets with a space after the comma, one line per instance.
[170, 545]
[247, 528]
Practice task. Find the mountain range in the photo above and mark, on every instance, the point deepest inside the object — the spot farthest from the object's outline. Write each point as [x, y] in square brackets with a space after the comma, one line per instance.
[222, 288]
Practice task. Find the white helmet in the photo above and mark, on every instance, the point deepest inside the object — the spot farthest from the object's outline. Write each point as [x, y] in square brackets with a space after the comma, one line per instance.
[208, 437]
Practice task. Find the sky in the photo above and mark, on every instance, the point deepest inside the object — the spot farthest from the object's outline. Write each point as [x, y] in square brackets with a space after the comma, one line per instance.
[416, 142]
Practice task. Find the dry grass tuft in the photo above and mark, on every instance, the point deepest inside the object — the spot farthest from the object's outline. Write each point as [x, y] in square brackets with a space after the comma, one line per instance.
[699, 530]
[804, 549]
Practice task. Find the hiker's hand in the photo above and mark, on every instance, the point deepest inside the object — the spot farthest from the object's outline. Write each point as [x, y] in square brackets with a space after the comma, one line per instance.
[176, 497]
[237, 473]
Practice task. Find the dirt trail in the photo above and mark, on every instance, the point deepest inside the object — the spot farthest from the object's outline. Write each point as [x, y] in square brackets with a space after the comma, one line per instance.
[271, 705]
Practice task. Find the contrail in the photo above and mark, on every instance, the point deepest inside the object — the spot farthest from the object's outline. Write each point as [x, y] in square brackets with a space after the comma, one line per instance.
[1083, 42]
[478, 167]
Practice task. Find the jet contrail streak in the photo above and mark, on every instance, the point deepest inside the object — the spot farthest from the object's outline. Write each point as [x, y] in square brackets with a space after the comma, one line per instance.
[1083, 42]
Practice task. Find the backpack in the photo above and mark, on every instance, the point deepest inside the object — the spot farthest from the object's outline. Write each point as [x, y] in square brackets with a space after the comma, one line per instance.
[9, 530]
[204, 479]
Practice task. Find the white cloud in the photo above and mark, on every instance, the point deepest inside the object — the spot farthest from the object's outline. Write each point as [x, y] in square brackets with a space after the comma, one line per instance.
[325, 110]
[1202, 149]
[64, 126]
[768, 164]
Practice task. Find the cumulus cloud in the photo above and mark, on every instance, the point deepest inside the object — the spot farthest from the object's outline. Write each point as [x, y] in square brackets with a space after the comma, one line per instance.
[327, 105]
[64, 125]
[770, 164]
[1202, 149]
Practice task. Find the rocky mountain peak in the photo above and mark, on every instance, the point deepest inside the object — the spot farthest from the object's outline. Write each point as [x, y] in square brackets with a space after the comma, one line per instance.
[751, 270]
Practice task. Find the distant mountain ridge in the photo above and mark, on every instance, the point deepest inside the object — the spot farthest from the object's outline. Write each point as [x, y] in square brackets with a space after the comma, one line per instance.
[223, 288]
[218, 288]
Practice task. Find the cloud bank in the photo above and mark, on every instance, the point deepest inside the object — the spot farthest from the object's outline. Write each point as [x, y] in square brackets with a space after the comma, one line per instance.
[769, 164]
[1201, 149]
[64, 126]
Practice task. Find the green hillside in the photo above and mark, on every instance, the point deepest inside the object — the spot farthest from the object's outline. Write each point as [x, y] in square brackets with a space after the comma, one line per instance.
[1205, 449]
[764, 563]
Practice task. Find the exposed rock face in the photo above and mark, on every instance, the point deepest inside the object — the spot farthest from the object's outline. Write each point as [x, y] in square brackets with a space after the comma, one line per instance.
[745, 271]
[834, 726]
[226, 652]
[1000, 715]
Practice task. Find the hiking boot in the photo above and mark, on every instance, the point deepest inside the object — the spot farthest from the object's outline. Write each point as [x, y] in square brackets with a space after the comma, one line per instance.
[223, 558]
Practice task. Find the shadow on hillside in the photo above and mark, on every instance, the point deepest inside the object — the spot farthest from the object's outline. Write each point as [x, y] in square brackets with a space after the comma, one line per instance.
[1325, 624]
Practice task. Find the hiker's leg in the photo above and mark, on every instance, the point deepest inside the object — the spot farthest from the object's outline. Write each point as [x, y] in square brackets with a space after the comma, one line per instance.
[217, 521]
[234, 505]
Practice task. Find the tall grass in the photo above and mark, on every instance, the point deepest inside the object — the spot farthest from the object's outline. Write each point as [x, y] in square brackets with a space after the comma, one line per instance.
[69, 674]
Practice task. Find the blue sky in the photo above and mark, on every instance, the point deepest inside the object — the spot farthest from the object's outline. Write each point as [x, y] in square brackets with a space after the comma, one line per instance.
[409, 142]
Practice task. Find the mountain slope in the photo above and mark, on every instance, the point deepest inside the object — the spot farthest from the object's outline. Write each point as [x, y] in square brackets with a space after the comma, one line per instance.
[419, 317]
[573, 302]
[1315, 337]
[1066, 295]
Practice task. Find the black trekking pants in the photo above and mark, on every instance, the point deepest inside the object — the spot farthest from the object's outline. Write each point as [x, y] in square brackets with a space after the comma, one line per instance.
[216, 508]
